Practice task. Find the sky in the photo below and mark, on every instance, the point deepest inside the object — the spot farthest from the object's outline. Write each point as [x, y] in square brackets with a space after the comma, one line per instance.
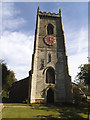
[18, 31]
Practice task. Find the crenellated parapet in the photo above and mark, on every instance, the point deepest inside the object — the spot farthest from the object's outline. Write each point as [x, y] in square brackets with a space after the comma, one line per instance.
[49, 14]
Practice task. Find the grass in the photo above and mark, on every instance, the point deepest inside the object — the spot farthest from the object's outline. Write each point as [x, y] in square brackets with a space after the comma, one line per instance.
[46, 112]
[15, 104]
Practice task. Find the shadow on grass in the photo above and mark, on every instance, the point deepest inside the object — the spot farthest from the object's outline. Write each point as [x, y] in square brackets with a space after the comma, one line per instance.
[66, 112]
[74, 112]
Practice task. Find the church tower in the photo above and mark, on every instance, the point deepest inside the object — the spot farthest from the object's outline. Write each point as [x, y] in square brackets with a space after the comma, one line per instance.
[50, 77]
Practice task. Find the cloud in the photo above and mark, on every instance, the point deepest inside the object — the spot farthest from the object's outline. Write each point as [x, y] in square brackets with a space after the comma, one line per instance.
[77, 41]
[10, 17]
[16, 48]
[75, 61]
[77, 49]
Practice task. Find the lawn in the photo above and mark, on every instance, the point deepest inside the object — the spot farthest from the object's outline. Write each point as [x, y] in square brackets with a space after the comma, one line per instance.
[15, 104]
[45, 112]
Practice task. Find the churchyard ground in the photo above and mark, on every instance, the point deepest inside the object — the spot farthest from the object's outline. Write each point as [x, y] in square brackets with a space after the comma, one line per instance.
[16, 111]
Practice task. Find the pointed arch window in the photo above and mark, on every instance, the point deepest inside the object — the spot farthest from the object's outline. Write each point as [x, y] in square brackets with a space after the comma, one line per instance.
[50, 29]
[50, 75]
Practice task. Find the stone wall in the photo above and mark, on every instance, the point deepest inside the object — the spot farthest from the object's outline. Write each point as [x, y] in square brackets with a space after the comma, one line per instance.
[19, 90]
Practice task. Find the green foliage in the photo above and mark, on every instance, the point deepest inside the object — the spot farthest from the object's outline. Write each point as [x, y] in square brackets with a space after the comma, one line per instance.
[83, 78]
[84, 74]
[8, 78]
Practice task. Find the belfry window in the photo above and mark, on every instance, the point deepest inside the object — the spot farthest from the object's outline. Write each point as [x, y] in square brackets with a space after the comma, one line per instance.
[49, 57]
[50, 75]
[50, 29]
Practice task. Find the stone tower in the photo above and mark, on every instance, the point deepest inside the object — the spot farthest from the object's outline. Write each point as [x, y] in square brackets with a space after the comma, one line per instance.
[50, 77]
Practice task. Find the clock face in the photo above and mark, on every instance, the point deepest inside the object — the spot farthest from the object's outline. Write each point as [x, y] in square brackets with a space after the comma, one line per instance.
[50, 40]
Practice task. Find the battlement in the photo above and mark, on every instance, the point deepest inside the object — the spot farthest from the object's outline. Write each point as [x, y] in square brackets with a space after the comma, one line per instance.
[49, 13]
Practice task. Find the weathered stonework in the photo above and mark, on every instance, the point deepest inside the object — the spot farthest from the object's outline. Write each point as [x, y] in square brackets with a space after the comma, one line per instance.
[61, 90]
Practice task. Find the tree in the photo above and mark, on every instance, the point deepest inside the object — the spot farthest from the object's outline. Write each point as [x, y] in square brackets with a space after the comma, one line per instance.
[8, 77]
[83, 77]
[84, 74]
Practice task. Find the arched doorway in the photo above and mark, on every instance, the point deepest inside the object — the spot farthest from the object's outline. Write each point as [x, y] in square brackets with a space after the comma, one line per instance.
[50, 96]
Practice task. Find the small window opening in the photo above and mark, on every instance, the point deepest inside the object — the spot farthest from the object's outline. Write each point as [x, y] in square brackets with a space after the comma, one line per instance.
[49, 57]
[42, 63]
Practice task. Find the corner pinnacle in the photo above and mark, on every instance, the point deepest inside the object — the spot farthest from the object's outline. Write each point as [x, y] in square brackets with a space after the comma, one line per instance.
[60, 12]
[38, 8]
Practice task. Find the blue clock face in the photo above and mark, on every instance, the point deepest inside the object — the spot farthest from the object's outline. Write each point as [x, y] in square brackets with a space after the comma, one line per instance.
[50, 40]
